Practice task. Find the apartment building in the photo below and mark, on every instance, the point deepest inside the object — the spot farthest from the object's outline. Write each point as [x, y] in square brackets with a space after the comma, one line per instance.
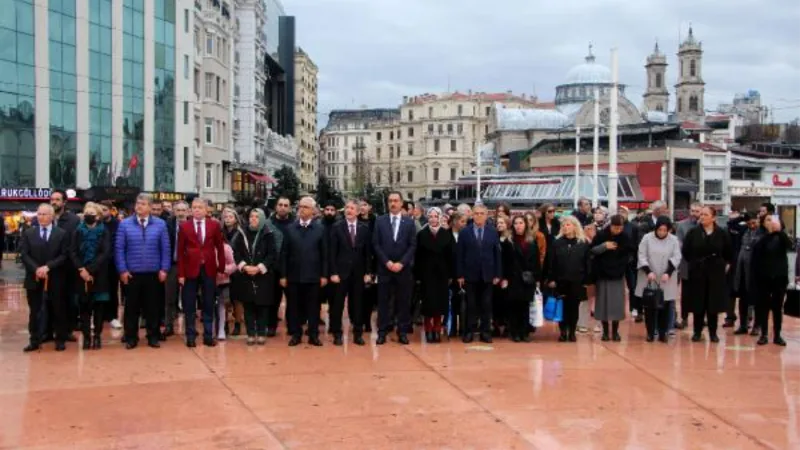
[305, 119]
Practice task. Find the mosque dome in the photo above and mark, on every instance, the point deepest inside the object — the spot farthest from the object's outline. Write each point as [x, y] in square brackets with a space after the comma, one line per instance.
[589, 73]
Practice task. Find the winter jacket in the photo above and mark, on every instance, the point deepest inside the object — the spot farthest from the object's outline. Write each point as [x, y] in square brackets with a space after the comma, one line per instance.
[142, 252]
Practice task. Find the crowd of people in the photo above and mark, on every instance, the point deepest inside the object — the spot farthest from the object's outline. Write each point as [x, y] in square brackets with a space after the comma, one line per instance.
[454, 271]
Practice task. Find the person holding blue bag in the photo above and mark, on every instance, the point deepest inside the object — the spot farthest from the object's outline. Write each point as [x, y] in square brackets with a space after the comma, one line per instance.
[567, 273]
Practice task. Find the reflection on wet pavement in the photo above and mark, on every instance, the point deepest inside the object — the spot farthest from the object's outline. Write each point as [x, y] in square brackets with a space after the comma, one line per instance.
[544, 395]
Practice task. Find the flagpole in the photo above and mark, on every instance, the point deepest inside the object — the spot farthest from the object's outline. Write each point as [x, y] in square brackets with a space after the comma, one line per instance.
[613, 176]
[596, 150]
[577, 192]
[478, 173]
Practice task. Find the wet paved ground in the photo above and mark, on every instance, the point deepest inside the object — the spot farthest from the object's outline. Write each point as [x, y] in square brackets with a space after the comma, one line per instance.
[543, 395]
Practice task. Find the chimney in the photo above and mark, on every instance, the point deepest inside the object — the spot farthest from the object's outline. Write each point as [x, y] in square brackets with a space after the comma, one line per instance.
[470, 92]
[405, 99]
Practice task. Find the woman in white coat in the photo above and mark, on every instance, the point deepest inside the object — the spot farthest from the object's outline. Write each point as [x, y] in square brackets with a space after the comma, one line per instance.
[659, 257]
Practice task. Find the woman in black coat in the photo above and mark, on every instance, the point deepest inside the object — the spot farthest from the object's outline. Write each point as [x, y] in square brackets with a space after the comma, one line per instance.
[433, 267]
[568, 272]
[771, 274]
[256, 257]
[707, 251]
[90, 249]
[612, 249]
[522, 270]
[549, 225]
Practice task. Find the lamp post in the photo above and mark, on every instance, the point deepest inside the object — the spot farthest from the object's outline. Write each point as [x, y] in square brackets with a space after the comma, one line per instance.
[613, 176]
[596, 150]
[577, 194]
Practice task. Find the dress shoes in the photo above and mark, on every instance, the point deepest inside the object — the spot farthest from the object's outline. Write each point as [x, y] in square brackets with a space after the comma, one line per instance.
[763, 340]
[31, 348]
[663, 338]
[573, 338]
[358, 339]
[97, 343]
[616, 337]
[779, 341]
[337, 339]
[714, 338]
[209, 342]
[429, 336]
[294, 341]
[697, 337]
[169, 331]
[562, 337]
[131, 344]
[60, 346]
[403, 339]
[153, 343]
[251, 340]
[486, 338]
[740, 331]
[314, 340]
[467, 338]
[191, 343]
[87, 343]
[381, 339]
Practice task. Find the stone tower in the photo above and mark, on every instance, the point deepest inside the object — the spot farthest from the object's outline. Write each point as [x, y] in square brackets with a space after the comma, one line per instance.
[656, 97]
[690, 90]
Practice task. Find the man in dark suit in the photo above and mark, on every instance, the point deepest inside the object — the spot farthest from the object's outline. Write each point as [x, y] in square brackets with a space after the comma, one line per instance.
[351, 262]
[181, 211]
[111, 312]
[304, 269]
[201, 256]
[394, 243]
[67, 221]
[478, 269]
[44, 249]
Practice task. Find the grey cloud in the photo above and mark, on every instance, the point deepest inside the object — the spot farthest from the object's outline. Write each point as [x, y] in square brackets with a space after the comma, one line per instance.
[372, 52]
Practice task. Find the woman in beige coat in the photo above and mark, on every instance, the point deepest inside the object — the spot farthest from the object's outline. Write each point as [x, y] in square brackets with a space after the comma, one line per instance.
[659, 257]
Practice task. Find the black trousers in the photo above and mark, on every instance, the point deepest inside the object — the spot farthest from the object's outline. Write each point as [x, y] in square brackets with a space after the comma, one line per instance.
[479, 306]
[772, 298]
[701, 312]
[302, 301]
[111, 311]
[630, 280]
[207, 285]
[501, 304]
[142, 299]
[42, 314]
[746, 300]
[686, 307]
[351, 288]
[572, 293]
[91, 314]
[401, 285]
[657, 320]
[272, 310]
[518, 314]
[70, 289]
[255, 319]
[368, 302]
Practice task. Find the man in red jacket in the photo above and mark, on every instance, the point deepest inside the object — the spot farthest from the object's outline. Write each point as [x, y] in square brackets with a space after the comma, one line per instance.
[201, 256]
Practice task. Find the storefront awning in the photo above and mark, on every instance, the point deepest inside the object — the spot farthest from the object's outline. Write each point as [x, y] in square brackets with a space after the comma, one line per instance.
[261, 178]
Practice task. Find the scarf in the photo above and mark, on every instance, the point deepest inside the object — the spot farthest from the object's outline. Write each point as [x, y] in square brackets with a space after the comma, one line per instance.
[259, 229]
[90, 241]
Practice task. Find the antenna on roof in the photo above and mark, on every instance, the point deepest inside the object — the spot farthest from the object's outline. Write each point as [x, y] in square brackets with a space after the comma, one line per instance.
[448, 83]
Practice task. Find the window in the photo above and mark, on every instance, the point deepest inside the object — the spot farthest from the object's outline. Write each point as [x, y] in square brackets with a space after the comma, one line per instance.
[693, 103]
[209, 84]
[452, 145]
[391, 180]
[713, 190]
[185, 20]
[430, 128]
[692, 68]
[435, 174]
[210, 45]
[209, 131]
[488, 110]
[391, 152]
[378, 177]
[659, 80]
[218, 80]
[430, 112]
[410, 149]
[397, 176]
[440, 128]
[680, 104]
[185, 67]
[391, 135]
[185, 158]
[378, 136]
[410, 176]
[436, 145]
[486, 129]
[186, 113]
[209, 178]
[378, 153]
[399, 134]
[460, 110]
[449, 128]
[410, 132]
[746, 173]
[452, 174]
[410, 114]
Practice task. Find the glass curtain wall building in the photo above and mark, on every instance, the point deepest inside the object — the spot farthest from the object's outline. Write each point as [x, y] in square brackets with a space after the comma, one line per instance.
[88, 94]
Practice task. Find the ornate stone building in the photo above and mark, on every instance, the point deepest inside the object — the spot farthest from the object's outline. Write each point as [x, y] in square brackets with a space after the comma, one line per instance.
[690, 89]
[656, 97]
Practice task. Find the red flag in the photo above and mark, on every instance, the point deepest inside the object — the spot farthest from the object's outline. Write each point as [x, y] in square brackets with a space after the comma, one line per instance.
[133, 162]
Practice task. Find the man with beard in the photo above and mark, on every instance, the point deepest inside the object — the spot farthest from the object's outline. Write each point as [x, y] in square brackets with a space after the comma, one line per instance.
[278, 223]
[172, 289]
[67, 221]
[112, 224]
[684, 227]
[584, 212]
[166, 207]
[370, 298]
[327, 220]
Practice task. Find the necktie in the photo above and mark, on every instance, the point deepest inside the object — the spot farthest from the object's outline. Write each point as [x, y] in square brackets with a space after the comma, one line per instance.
[44, 234]
[394, 228]
[480, 234]
[142, 222]
[352, 235]
[199, 230]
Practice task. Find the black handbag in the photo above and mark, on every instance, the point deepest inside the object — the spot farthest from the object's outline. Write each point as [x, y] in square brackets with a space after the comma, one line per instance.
[527, 278]
[653, 296]
[792, 305]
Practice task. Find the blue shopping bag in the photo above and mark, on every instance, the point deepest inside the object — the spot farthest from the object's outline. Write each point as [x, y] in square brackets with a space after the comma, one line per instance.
[554, 309]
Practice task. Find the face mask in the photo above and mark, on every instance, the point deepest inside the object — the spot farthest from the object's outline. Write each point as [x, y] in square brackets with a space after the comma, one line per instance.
[90, 220]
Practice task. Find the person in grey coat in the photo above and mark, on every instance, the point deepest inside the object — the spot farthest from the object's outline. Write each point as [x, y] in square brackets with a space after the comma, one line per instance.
[743, 281]
[683, 228]
[659, 257]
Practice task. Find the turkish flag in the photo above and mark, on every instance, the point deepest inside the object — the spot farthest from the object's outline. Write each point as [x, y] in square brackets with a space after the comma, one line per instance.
[133, 162]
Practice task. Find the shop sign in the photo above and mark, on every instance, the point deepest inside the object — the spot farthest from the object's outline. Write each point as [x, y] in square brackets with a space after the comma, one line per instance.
[25, 193]
[752, 191]
[776, 181]
[169, 196]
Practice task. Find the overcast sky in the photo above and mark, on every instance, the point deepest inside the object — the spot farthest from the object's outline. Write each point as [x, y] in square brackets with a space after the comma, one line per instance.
[373, 52]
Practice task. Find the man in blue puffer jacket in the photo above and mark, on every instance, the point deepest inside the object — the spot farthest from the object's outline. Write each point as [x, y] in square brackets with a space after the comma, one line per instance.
[142, 254]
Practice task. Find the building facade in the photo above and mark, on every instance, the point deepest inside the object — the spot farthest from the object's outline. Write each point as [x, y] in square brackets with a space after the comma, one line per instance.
[305, 113]
[690, 89]
[656, 97]
[109, 79]
[214, 39]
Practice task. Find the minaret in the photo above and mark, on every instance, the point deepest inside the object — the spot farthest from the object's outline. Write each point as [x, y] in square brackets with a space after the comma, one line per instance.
[656, 97]
[690, 90]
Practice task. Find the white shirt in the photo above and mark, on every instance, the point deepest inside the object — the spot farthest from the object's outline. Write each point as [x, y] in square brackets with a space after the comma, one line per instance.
[305, 223]
[49, 229]
[139, 220]
[395, 230]
[202, 224]
[352, 226]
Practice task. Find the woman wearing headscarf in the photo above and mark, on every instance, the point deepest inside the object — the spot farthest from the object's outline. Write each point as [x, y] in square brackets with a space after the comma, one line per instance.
[434, 269]
[611, 249]
[658, 258]
[771, 273]
[523, 270]
[256, 257]
[568, 272]
[89, 252]
[707, 251]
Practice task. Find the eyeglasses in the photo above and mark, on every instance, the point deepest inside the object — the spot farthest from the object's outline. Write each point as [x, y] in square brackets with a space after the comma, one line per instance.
[551, 211]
